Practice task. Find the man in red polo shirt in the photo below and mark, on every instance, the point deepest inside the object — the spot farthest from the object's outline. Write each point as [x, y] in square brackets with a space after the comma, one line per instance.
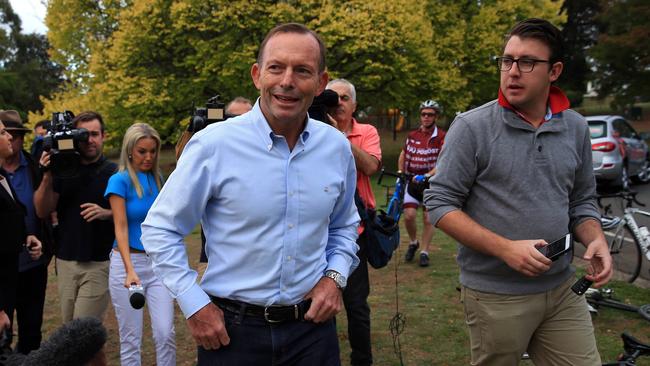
[364, 141]
[419, 157]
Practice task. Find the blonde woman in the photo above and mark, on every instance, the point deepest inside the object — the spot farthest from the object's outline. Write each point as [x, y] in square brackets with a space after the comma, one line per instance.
[131, 192]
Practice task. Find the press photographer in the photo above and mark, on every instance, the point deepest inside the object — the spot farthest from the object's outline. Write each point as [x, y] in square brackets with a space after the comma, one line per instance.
[324, 106]
[84, 237]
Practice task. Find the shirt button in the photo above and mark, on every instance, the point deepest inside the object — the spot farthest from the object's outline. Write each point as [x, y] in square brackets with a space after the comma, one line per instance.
[291, 194]
[290, 226]
[288, 258]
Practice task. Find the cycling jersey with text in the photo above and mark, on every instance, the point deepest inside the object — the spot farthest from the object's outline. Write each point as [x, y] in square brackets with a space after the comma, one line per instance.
[421, 150]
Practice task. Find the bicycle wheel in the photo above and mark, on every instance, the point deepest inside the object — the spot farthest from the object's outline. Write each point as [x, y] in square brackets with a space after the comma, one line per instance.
[625, 251]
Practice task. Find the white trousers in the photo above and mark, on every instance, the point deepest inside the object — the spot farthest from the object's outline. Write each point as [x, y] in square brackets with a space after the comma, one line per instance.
[129, 320]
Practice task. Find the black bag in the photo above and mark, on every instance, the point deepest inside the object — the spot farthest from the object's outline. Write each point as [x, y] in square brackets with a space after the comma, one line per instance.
[416, 189]
[382, 232]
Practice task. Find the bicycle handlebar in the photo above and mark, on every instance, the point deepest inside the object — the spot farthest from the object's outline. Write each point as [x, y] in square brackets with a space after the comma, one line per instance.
[629, 196]
[405, 177]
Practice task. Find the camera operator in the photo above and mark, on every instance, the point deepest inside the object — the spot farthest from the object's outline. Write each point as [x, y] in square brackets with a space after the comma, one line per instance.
[84, 237]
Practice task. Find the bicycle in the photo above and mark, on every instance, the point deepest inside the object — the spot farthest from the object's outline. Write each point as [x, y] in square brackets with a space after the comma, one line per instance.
[394, 211]
[628, 242]
[394, 208]
[633, 349]
[604, 297]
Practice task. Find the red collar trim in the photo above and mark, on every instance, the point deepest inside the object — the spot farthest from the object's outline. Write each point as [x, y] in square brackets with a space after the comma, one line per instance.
[557, 100]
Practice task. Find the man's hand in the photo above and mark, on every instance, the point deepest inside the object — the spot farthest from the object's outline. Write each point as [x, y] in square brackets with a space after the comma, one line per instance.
[93, 211]
[34, 247]
[325, 301]
[600, 262]
[208, 328]
[44, 162]
[524, 257]
[333, 122]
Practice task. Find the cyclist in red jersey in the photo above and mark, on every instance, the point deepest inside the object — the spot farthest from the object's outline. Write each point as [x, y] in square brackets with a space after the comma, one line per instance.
[419, 157]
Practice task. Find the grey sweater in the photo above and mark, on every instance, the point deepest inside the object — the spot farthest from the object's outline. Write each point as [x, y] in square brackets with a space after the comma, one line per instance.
[517, 181]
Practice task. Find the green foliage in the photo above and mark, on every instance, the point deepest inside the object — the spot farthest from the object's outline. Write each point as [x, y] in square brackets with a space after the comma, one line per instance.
[148, 61]
[26, 72]
[579, 34]
[622, 53]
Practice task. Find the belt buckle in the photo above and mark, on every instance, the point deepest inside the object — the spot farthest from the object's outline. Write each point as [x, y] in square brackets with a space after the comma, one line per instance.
[266, 316]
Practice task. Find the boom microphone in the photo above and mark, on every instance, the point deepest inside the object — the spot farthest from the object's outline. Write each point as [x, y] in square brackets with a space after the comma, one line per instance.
[73, 344]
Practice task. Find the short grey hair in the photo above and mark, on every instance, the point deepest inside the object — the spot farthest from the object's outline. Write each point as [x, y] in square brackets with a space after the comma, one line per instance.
[353, 92]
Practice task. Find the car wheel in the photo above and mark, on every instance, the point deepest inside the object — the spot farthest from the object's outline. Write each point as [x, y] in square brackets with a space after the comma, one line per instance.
[644, 173]
[625, 179]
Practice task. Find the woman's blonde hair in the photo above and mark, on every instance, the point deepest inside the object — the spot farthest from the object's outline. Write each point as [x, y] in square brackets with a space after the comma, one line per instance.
[136, 132]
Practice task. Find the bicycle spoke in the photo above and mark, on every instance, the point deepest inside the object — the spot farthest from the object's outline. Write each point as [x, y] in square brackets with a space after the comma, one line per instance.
[626, 253]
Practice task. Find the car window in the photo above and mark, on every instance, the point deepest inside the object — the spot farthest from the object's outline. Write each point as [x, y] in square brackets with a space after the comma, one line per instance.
[597, 129]
[631, 129]
[623, 129]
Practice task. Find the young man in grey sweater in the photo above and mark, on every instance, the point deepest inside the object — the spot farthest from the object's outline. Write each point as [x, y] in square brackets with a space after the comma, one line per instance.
[514, 175]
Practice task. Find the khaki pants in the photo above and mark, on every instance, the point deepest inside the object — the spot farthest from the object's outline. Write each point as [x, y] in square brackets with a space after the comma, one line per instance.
[83, 288]
[554, 327]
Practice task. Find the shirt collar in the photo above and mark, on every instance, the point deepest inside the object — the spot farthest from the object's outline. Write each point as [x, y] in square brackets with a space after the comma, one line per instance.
[557, 103]
[269, 137]
[23, 159]
[435, 132]
[355, 130]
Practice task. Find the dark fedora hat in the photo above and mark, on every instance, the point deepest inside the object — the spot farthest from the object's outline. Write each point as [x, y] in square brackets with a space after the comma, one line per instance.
[11, 120]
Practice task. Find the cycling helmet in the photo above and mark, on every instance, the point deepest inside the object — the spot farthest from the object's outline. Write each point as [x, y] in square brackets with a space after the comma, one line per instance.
[432, 104]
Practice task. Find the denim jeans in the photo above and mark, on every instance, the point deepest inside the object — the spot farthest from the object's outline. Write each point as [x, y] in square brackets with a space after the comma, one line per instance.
[255, 342]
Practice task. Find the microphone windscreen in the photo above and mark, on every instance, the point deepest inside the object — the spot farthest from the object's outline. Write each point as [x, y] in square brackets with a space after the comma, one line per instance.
[74, 343]
[137, 300]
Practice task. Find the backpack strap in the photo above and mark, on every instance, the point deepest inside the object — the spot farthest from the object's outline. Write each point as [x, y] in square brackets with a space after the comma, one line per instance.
[361, 207]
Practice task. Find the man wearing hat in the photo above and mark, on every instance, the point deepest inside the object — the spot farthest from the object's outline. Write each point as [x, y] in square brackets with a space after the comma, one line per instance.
[23, 172]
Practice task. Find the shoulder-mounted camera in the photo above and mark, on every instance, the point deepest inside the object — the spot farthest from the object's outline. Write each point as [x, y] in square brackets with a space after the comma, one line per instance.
[62, 141]
[214, 111]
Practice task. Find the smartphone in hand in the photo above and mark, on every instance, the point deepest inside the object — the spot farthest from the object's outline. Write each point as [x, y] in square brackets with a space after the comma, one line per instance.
[557, 248]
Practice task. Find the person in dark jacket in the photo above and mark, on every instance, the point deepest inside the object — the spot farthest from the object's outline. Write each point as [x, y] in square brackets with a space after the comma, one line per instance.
[15, 236]
[24, 176]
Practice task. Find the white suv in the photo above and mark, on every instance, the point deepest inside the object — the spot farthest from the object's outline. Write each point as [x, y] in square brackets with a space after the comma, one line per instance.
[619, 152]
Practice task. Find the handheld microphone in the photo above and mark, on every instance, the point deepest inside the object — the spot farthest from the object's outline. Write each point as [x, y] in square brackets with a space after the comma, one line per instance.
[136, 296]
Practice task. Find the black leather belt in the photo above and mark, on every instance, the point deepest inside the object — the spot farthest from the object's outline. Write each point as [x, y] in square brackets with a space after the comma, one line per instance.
[272, 314]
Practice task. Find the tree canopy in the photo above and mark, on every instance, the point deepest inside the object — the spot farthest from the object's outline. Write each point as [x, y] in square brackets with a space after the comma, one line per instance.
[148, 61]
[622, 53]
[26, 72]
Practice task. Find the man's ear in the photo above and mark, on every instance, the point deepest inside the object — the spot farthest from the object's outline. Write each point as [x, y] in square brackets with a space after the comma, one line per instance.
[556, 71]
[323, 78]
[255, 74]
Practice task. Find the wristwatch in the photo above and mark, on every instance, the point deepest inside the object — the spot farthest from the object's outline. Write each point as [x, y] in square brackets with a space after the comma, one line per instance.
[338, 278]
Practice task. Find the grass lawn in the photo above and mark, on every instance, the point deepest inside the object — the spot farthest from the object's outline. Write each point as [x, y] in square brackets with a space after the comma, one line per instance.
[434, 331]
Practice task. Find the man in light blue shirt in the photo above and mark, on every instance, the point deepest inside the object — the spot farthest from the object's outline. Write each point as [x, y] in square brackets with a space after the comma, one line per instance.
[274, 191]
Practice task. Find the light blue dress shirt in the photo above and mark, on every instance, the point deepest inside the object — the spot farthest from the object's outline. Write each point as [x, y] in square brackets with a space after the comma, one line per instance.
[275, 220]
